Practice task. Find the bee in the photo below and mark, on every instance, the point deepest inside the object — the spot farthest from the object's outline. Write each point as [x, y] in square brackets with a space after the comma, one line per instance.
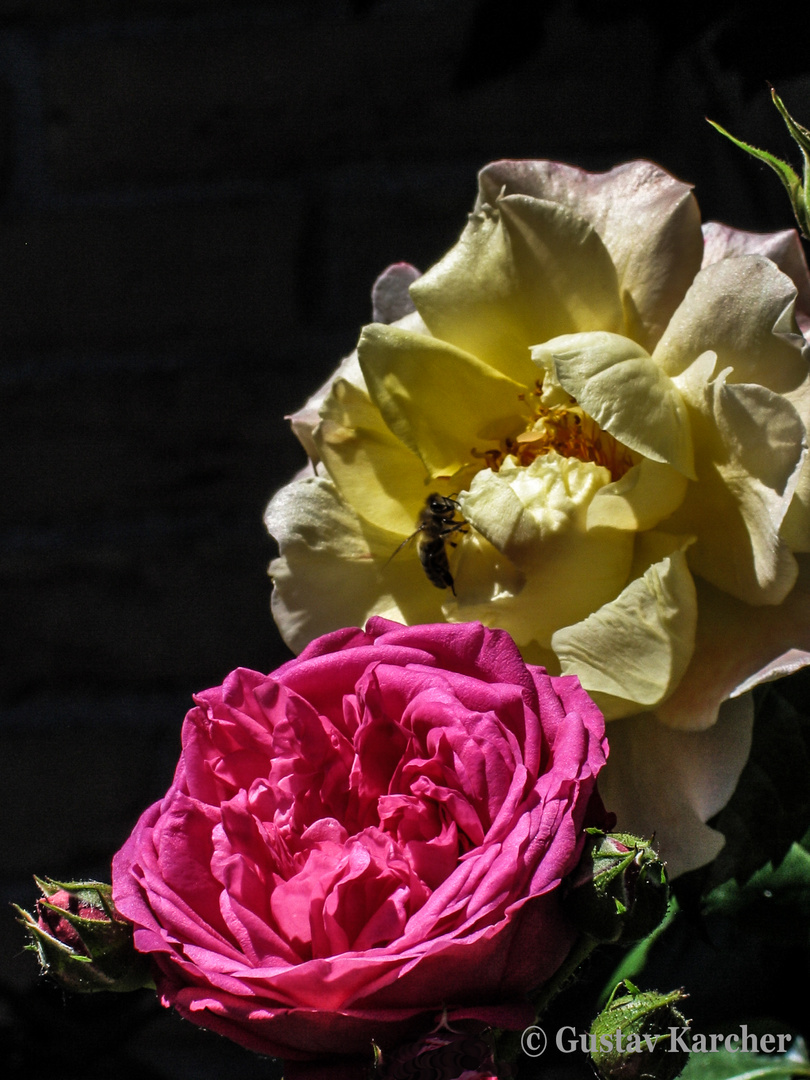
[436, 522]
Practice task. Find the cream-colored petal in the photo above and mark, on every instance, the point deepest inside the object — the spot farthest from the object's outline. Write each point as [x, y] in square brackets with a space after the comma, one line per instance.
[380, 478]
[620, 386]
[735, 642]
[442, 403]
[648, 221]
[536, 517]
[783, 248]
[304, 420]
[640, 500]
[795, 530]
[787, 664]
[335, 570]
[524, 270]
[749, 447]
[668, 783]
[633, 651]
[743, 310]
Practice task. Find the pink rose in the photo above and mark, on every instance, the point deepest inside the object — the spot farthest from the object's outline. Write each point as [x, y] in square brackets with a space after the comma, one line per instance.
[372, 834]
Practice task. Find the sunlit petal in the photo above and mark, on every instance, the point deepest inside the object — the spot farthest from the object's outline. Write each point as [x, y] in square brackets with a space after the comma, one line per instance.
[523, 271]
[440, 402]
[749, 449]
[333, 570]
[742, 310]
[679, 779]
[619, 385]
[374, 471]
[633, 651]
[640, 500]
[734, 643]
[648, 221]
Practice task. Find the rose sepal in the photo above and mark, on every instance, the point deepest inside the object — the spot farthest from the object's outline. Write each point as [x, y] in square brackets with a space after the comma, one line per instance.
[619, 892]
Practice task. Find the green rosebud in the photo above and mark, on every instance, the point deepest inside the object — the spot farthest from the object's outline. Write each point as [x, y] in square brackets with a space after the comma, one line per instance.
[639, 1036]
[81, 940]
[619, 891]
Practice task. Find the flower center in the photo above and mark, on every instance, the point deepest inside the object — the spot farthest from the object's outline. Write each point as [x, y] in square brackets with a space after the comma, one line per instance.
[568, 431]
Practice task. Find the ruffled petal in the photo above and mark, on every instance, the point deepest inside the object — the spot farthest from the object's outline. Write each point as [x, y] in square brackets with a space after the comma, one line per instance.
[535, 516]
[750, 445]
[730, 657]
[668, 783]
[334, 570]
[304, 420]
[633, 651]
[374, 471]
[646, 495]
[743, 310]
[795, 530]
[622, 388]
[440, 402]
[783, 248]
[648, 221]
[524, 270]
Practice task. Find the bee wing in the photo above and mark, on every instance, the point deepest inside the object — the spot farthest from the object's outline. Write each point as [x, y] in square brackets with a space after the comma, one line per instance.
[407, 540]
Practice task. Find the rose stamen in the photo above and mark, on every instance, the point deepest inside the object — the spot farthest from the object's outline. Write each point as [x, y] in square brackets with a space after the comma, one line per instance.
[566, 430]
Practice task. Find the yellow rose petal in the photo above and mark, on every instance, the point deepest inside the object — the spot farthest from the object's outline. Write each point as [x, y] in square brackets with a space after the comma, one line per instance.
[631, 653]
[641, 499]
[734, 642]
[440, 402]
[380, 478]
[333, 570]
[523, 270]
[536, 517]
[749, 447]
[668, 783]
[795, 530]
[742, 310]
[625, 391]
[648, 221]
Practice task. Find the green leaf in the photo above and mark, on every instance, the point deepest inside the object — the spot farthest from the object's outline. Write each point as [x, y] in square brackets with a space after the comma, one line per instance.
[726, 1065]
[774, 904]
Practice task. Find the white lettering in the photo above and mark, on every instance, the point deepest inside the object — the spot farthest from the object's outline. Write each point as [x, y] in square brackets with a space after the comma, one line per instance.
[732, 1038]
[767, 1043]
[605, 1044]
[715, 1043]
[633, 1044]
[749, 1042]
[676, 1041]
[783, 1042]
[571, 1046]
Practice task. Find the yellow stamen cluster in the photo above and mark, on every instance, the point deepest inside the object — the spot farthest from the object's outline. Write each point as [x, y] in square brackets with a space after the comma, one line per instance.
[568, 431]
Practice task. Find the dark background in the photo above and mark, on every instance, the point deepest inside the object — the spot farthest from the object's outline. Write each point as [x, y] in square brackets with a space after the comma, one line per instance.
[195, 199]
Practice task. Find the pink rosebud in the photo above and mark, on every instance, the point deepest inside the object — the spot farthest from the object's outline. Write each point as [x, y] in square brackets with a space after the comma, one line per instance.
[81, 940]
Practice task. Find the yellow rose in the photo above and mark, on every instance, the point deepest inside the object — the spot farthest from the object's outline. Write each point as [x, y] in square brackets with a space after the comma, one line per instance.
[616, 404]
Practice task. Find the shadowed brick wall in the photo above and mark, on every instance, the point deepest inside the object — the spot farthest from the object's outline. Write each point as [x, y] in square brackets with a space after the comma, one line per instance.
[194, 201]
